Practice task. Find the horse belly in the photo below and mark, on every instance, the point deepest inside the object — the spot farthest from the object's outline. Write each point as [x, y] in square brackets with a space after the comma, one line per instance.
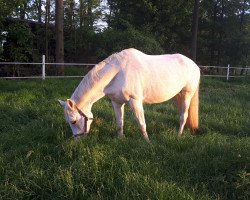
[158, 92]
[159, 95]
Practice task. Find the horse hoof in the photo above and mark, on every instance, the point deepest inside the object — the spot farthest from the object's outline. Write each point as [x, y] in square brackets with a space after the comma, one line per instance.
[147, 140]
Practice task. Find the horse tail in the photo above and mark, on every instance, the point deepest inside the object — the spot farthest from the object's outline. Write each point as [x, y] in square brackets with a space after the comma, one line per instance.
[193, 112]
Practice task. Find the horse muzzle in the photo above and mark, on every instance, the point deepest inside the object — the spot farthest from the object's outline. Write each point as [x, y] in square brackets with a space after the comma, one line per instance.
[80, 135]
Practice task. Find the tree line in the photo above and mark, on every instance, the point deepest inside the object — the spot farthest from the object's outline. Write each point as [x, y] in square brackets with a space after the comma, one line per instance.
[212, 32]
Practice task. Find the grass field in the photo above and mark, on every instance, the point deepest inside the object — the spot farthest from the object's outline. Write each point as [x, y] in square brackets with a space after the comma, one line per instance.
[40, 160]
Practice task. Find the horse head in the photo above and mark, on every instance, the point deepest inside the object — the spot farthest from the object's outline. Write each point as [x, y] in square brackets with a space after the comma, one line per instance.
[78, 120]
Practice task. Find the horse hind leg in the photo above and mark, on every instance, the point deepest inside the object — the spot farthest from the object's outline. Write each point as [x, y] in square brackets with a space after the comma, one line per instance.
[178, 102]
[137, 108]
[184, 103]
[119, 115]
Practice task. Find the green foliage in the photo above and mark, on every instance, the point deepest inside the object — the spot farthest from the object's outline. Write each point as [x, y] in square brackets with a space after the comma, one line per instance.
[131, 11]
[19, 43]
[152, 26]
[111, 41]
[223, 35]
[6, 7]
[224, 32]
[81, 44]
[168, 21]
[40, 160]
[101, 45]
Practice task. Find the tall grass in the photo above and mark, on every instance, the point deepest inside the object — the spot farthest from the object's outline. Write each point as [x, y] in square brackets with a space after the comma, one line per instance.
[40, 160]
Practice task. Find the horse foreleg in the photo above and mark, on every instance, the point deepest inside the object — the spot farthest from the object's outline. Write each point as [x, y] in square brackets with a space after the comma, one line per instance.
[139, 115]
[119, 114]
[186, 99]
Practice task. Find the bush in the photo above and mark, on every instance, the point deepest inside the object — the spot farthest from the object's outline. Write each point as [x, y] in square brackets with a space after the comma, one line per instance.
[111, 41]
[80, 46]
[19, 43]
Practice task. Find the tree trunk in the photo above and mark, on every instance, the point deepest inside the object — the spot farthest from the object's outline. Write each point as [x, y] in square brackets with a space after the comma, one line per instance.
[39, 10]
[242, 24]
[194, 30]
[23, 8]
[71, 14]
[47, 19]
[81, 15]
[90, 20]
[213, 35]
[59, 36]
[221, 33]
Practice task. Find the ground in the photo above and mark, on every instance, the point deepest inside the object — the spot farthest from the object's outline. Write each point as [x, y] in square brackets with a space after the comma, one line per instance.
[40, 160]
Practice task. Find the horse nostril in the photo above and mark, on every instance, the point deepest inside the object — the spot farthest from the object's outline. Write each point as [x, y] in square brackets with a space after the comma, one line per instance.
[73, 122]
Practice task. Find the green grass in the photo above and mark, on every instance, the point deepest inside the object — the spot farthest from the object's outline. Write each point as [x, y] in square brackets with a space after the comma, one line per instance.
[40, 160]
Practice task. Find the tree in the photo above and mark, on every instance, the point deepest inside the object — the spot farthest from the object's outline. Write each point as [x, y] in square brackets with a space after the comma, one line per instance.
[22, 10]
[19, 46]
[224, 32]
[69, 13]
[39, 9]
[126, 39]
[88, 12]
[59, 36]
[168, 21]
[194, 30]
[47, 20]
[149, 25]
[6, 8]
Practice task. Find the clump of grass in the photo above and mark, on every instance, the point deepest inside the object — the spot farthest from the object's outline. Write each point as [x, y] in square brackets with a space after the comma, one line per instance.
[40, 160]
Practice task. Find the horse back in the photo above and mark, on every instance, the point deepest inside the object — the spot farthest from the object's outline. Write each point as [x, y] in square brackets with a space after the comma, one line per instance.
[152, 79]
[155, 79]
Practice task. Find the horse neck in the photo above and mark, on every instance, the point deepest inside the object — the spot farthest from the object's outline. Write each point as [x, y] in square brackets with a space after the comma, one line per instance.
[91, 88]
[85, 96]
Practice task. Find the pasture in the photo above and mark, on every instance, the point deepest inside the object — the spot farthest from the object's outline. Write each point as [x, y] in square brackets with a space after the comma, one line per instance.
[40, 160]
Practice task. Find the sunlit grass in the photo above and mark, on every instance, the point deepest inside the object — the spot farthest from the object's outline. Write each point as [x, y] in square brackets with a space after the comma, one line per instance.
[40, 160]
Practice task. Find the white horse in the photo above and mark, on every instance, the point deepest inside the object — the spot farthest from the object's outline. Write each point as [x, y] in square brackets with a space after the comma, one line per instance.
[134, 78]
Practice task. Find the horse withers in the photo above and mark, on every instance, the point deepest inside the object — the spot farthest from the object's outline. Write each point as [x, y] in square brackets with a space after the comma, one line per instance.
[134, 78]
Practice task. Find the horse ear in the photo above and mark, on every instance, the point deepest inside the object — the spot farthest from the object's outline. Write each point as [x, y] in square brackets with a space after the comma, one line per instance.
[71, 104]
[63, 103]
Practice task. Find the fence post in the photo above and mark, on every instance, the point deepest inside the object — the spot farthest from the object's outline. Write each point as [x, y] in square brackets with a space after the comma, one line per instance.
[43, 67]
[228, 67]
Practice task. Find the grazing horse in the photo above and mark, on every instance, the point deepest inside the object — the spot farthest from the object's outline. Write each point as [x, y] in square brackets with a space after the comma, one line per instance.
[135, 78]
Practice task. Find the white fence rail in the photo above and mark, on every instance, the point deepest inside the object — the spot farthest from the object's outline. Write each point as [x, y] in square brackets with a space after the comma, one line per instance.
[43, 65]
[228, 69]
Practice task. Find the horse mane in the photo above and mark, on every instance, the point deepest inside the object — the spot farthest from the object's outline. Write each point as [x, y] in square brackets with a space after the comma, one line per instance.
[96, 77]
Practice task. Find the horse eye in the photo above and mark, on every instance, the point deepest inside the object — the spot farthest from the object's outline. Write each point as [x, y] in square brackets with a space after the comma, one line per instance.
[73, 122]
